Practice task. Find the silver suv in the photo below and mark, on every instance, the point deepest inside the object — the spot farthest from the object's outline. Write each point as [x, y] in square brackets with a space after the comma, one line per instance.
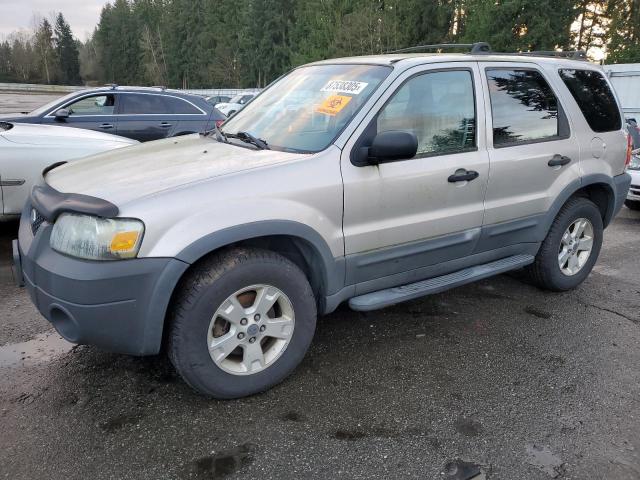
[372, 180]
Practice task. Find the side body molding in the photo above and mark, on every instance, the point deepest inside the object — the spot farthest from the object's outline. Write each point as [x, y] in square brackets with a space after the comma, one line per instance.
[332, 269]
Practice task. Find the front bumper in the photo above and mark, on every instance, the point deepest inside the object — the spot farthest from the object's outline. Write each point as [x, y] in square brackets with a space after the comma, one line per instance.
[117, 305]
[634, 189]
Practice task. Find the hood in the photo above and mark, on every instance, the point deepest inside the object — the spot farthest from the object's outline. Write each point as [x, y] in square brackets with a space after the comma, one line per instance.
[121, 176]
[29, 134]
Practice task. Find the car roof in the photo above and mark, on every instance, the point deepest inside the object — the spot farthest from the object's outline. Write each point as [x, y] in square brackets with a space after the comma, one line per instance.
[127, 89]
[411, 59]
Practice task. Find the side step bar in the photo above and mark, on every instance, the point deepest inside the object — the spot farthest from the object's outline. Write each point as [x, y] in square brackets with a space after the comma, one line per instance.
[391, 296]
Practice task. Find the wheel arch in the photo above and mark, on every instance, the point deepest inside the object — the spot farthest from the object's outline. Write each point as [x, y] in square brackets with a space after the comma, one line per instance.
[598, 188]
[298, 242]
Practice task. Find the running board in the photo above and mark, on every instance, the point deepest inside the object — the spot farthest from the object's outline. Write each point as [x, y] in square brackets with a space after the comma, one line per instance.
[391, 296]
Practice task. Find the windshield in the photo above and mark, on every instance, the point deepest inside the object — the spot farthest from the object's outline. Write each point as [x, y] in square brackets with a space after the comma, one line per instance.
[307, 109]
[236, 99]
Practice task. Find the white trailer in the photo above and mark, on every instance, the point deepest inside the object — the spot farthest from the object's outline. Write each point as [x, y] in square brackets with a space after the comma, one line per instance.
[626, 80]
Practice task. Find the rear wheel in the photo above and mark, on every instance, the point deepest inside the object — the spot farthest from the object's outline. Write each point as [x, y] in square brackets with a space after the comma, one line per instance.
[241, 323]
[571, 247]
[632, 204]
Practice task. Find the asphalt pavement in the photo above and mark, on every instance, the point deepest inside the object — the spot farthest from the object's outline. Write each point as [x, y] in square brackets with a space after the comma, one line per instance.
[495, 380]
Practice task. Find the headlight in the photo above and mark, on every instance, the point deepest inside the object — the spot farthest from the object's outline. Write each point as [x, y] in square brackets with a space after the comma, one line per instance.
[94, 238]
[635, 162]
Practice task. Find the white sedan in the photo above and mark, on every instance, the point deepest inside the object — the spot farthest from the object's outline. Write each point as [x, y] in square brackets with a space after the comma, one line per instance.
[235, 104]
[26, 150]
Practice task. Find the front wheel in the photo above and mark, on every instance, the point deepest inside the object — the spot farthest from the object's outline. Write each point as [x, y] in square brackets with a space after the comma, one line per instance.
[571, 247]
[241, 323]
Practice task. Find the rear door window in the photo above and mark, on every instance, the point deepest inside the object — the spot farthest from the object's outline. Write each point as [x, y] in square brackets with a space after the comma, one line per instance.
[523, 106]
[143, 104]
[594, 97]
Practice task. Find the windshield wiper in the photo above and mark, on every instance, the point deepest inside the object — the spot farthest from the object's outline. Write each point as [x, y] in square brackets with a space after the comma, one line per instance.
[248, 138]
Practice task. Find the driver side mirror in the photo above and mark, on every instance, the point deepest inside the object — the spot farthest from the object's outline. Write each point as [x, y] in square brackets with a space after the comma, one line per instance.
[62, 114]
[388, 147]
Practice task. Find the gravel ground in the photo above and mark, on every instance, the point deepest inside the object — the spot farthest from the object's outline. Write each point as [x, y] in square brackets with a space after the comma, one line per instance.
[497, 377]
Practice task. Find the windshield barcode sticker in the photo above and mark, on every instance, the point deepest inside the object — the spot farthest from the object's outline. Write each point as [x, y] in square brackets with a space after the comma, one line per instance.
[345, 86]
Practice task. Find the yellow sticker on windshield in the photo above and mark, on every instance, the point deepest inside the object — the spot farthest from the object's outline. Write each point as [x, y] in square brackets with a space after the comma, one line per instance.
[333, 104]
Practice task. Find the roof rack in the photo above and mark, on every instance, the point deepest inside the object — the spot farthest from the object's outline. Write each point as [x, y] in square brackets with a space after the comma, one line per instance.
[478, 47]
[485, 48]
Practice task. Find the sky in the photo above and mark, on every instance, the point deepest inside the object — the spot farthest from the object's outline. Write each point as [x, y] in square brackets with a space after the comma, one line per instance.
[82, 15]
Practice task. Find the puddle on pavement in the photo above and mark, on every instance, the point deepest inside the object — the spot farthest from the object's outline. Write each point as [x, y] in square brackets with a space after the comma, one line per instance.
[41, 349]
[544, 459]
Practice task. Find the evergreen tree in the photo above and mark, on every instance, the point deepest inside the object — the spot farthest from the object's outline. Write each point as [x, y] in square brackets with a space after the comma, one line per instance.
[45, 48]
[520, 25]
[67, 52]
[624, 46]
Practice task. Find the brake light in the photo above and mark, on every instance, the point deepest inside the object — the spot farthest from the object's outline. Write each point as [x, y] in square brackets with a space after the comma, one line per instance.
[219, 123]
[629, 149]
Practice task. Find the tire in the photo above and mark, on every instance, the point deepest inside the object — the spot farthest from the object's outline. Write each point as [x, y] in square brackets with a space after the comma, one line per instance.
[546, 271]
[208, 290]
[632, 204]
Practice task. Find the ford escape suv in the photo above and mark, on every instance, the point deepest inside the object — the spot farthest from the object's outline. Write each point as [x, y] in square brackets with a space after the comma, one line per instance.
[372, 180]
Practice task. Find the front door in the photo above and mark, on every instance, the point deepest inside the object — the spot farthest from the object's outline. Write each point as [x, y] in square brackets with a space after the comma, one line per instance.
[404, 215]
[93, 112]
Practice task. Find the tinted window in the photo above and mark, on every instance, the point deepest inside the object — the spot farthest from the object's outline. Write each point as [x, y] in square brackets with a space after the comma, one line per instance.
[438, 107]
[594, 97]
[98, 105]
[134, 104]
[523, 106]
[177, 105]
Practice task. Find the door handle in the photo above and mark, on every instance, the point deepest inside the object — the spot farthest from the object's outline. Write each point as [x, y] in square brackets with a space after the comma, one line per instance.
[463, 175]
[165, 125]
[106, 126]
[559, 161]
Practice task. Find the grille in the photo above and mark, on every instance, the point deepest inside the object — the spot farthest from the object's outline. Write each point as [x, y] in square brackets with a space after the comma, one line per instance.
[36, 220]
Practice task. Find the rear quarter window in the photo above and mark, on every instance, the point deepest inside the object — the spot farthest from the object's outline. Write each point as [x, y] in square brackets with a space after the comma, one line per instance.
[594, 97]
[180, 106]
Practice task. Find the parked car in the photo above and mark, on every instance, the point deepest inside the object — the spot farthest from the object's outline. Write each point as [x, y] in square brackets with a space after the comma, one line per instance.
[361, 179]
[633, 198]
[140, 113]
[25, 150]
[217, 99]
[236, 104]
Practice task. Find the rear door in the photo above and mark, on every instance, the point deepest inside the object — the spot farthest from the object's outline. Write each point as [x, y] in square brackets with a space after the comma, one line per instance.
[533, 151]
[187, 117]
[144, 116]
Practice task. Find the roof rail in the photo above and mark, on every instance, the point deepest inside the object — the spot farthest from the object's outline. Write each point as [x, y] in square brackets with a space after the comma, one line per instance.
[485, 48]
[478, 47]
[112, 86]
[570, 54]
